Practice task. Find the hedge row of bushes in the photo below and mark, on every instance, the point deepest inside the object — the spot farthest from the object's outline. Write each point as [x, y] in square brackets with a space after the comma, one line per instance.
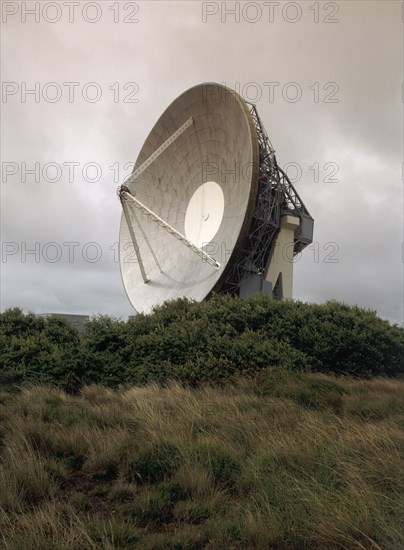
[211, 341]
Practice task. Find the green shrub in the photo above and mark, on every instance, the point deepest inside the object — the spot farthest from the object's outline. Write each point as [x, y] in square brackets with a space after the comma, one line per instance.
[214, 341]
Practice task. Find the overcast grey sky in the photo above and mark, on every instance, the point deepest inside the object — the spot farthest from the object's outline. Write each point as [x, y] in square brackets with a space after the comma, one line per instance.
[327, 81]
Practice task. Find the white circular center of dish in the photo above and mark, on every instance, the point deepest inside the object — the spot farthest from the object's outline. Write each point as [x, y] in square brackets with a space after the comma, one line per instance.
[204, 213]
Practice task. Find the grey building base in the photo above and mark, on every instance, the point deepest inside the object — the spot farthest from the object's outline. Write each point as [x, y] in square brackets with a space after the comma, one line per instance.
[255, 285]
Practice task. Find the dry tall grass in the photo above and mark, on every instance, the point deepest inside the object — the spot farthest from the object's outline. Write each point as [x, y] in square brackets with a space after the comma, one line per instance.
[283, 462]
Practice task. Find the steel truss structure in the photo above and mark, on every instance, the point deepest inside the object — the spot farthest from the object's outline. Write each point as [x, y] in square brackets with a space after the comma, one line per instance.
[276, 197]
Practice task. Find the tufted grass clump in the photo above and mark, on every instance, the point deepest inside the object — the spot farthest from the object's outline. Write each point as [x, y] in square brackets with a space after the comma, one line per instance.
[281, 460]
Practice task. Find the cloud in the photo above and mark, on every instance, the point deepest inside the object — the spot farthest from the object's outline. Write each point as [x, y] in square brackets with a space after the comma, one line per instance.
[356, 61]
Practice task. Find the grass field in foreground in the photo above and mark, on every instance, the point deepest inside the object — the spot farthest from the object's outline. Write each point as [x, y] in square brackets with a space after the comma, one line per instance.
[285, 461]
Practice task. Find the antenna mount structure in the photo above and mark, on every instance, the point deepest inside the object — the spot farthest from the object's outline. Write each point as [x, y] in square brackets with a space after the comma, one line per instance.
[194, 220]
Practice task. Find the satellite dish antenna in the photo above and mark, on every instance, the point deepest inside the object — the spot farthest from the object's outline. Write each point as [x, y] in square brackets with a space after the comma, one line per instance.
[207, 208]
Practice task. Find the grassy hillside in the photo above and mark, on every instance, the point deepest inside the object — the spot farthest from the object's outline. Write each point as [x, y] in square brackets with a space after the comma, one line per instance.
[218, 425]
[283, 460]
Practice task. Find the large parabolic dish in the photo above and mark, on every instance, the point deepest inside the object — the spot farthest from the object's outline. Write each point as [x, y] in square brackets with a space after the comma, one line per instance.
[189, 220]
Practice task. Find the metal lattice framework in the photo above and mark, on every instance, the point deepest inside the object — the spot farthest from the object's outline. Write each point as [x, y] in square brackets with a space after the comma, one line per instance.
[276, 197]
